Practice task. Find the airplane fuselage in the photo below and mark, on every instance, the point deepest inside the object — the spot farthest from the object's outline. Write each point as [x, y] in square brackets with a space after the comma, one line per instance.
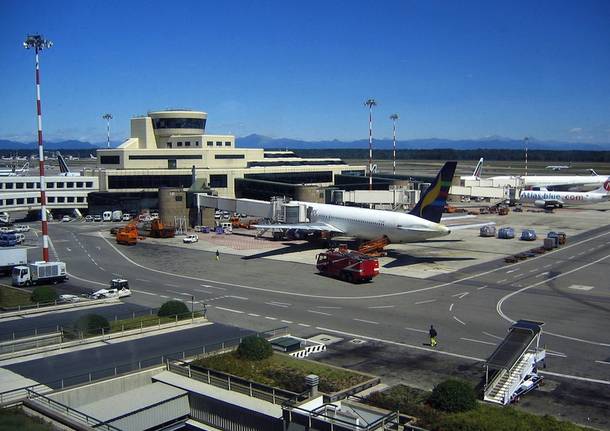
[566, 198]
[372, 224]
[554, 180]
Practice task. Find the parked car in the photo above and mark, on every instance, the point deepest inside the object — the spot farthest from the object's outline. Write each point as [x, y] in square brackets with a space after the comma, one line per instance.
[97, 218]
[488, 231]
[528, 235]
[189, 239]
[89, 218]
[21, 228]
[66, 219]
[69, 298]
[126, 217]
[506, 233]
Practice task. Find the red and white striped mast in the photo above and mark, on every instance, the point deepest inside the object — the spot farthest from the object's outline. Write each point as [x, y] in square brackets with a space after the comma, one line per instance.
[370, 103]
[394, 117]
[39, 43]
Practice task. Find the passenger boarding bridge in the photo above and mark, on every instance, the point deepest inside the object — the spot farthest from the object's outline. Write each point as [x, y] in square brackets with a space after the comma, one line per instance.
[63, 192]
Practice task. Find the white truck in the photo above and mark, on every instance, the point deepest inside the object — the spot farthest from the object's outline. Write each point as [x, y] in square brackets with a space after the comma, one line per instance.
[117, 215]
[107, 216]
[11, 257]
[39, 273]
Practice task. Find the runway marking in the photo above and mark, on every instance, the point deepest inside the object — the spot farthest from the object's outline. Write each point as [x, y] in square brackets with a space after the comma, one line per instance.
[569, 376]
[517, 276]
[492, 335]
[367, 321]
[180, 293]
[548, 266]
[145, 293]
[603, 362]
[170, 285]
[426, 301]
[142, 280]
[305, 295]
[328, 307]
[319, 312]
[580, 287]
[460, 321]
[501, 281]
[571, 257]
[254, 315]
[478, 341]
[542, 274]
[451, 307]
[202, 291]
[416, 330]
[304, 324]
[276, 304]
[554, 353]
[270, 318]
[461, 294]
[381, 306]
[581, 253]
[533, 270]
[482, 287]
[512, 270]
[213, 287]
[287, 321]
[229, 309]
[178, 299]
[504, 298]
[242, 298]
[164, 296]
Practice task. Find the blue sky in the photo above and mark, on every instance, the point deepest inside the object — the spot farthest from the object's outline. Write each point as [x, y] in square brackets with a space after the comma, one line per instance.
[451, 69]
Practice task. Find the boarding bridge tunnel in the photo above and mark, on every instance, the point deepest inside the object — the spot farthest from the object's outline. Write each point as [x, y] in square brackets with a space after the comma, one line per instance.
[63, 192]
[278, 210]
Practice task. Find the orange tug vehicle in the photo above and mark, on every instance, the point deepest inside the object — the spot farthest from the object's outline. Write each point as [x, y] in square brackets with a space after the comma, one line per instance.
[347, 265]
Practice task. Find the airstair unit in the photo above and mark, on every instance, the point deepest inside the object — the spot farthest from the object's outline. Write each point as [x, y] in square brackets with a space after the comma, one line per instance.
[512, 369]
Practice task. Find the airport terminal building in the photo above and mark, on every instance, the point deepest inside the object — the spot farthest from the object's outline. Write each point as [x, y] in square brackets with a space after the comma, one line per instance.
[166, 146]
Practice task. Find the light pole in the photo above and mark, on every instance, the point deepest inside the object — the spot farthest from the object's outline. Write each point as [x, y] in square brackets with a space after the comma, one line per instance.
[39, 43]
[370, 103]
[526, 140]
[394, 117]
[107, 117]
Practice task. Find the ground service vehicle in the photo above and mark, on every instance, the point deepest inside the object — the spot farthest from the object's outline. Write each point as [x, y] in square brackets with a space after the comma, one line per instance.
[12, 257]
[117, 215]
[39, 273]
[9, 239]
[351, 266]
[159, 230]
[107, 215]
[190, 239]
[506, 233]
[127, 235]
[119, 288]
[89, 218]
[528, 235]
[66, 218]
[126, 217]
[97, 218]
[487, 231]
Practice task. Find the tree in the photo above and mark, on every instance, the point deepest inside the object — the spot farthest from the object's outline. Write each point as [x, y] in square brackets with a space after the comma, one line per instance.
[44, 294]
[254, 348]
[172, 308]
[453, 396]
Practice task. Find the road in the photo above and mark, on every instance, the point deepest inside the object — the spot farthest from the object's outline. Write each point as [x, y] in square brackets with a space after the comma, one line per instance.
[471, 309]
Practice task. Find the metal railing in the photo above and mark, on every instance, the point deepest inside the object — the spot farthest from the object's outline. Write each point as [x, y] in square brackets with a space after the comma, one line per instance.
[15, 396]
[66, 410]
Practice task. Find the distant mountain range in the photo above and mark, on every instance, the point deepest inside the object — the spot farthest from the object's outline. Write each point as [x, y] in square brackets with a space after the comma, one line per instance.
[260, 141]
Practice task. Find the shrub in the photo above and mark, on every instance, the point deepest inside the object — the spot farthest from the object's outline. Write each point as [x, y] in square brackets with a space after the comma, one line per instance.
[254, 348]
[44, 294]
[92, 324]
[172, 308]
[453, 396]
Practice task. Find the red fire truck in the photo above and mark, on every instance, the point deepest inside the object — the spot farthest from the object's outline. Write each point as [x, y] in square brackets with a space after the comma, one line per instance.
[347, 265]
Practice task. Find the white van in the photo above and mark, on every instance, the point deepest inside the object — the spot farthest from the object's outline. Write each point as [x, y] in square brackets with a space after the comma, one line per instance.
[107, 216]
[117, 215]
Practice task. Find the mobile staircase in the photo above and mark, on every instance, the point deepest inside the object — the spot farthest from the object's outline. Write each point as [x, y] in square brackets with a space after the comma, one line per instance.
[512, 369]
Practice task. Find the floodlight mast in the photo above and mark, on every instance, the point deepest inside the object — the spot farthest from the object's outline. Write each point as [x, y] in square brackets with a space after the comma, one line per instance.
[394, 117]
[107, 117]
[38, 43]
[370, 103]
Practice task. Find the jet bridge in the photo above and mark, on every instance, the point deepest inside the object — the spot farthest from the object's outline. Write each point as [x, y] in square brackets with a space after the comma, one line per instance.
[512, 369]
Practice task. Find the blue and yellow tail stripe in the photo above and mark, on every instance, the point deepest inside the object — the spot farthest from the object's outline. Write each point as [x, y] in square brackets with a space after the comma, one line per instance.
[431, 204]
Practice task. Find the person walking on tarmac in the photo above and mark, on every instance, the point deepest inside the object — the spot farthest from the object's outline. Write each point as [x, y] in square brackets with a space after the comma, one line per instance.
[217, 255]
[433, 335]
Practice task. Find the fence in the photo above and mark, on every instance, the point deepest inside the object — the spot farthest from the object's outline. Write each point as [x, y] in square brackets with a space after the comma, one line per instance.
[15, 396]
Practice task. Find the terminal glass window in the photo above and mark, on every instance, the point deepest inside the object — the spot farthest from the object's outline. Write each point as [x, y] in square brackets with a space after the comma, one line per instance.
[89, 184]
[19, 185]
[219, 143]
[187, 143]
[148, 181]
[210, 143]
[9, 185]
[218, 181]
[227, 144]
[61, 199]
[196, 143]
[178, 144]
[80, 199]
[79, 185]
[10, 201]
[30, 185]
[30, 200]
[179, 123]
[60, 185]
[70, 198]
[19, 201]
[51, 199]
[171, 164]
[229, 156]
[70, 185]
[169, 145]
[50, 185]
[110, 160]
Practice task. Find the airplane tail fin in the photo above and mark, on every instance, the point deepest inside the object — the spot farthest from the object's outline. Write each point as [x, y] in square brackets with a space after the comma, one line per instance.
[604, 188]
[595, 174]
[479, 169]
[63, 166]
[432, 203]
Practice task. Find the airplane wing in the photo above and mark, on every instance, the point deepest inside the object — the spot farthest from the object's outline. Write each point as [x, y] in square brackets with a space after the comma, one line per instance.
[470, 226]
[301, 226]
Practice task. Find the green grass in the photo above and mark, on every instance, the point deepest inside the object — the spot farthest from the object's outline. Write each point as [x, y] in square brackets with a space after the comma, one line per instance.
[484, 417]
[13, 297]
[14, 419]
[146, 321]
[283, 371]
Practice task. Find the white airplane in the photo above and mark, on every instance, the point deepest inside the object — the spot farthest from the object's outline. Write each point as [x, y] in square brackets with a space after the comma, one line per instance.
[13, 172]
[91, 156]
[64, 170]
[546, 199]
[423, 222]
[555, 181]
[557, 168]
[476, 175]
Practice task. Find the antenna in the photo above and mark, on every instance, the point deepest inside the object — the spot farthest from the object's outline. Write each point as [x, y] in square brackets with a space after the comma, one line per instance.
[370, 103]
